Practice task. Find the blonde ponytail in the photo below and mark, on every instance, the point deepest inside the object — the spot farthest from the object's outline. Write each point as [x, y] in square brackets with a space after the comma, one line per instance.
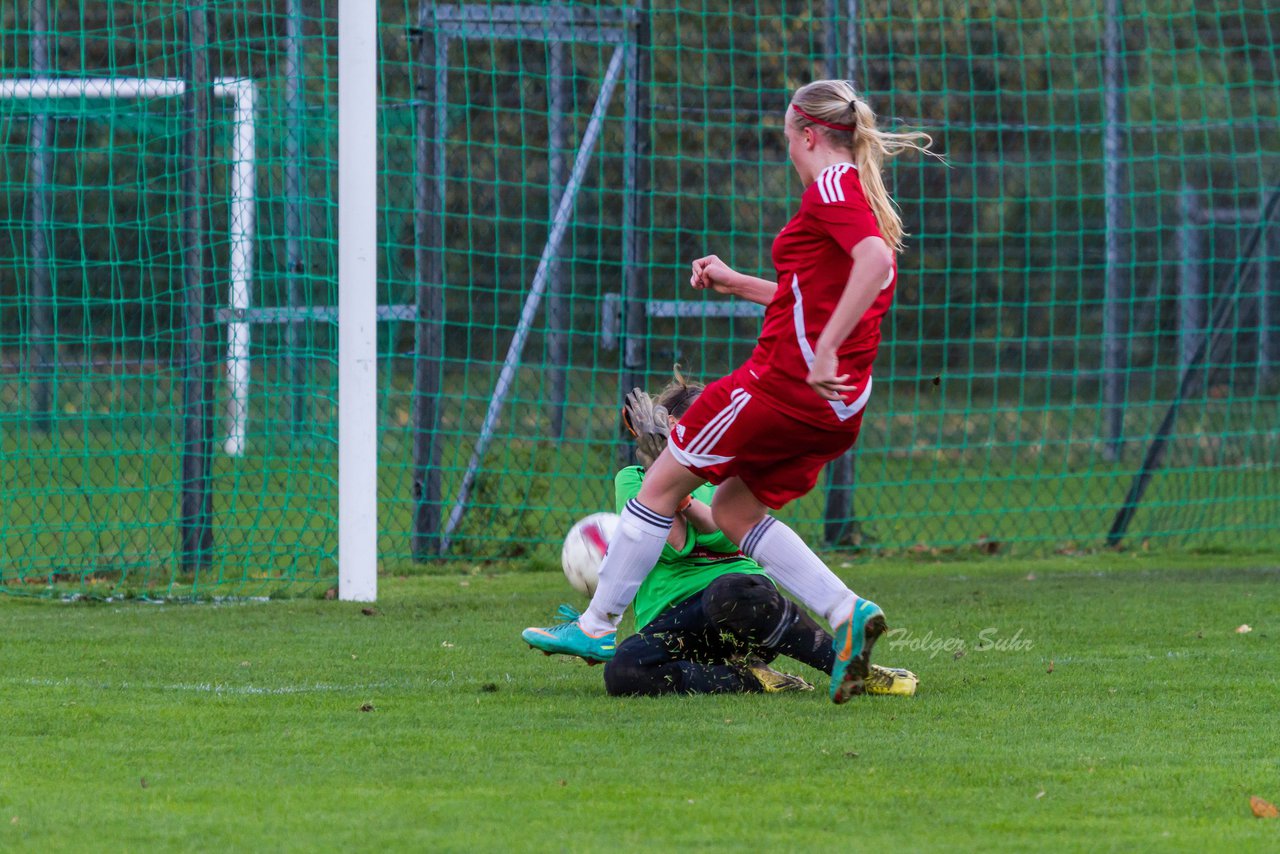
[833, 108]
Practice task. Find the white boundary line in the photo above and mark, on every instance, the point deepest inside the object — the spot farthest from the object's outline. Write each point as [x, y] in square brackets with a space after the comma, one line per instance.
[207, 687]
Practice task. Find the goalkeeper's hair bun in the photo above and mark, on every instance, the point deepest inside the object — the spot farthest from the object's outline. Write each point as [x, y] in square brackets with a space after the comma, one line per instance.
[679, 394]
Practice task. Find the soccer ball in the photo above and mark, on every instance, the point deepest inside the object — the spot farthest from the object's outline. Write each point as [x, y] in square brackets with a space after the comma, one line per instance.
[584, 549]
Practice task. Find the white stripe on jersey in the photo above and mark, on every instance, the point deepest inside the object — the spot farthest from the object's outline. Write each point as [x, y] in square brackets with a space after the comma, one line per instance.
[844, 411]
[822, 188]
[829, 187]
[697, 461]
[699, 439]
[714, 430]
[836, 174]
[889, 279]
[713, 439]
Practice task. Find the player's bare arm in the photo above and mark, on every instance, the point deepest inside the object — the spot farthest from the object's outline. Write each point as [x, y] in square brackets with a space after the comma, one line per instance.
[710, 272]
[872, 264]
[698, 515]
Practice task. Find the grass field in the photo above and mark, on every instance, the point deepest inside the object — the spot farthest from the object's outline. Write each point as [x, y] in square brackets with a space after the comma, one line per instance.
[1118, 709]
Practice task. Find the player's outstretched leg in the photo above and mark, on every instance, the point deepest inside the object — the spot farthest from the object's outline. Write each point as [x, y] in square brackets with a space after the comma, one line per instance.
[634, 550]
[852, 641]
[856, 622]
[750, 609]
[568, 638]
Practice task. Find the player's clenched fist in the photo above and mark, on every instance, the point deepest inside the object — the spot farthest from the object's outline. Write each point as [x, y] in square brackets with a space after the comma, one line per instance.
[710, 272]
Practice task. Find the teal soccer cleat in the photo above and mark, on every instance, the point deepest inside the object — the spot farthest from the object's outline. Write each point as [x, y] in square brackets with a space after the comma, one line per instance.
[568, 638]
[852, 642]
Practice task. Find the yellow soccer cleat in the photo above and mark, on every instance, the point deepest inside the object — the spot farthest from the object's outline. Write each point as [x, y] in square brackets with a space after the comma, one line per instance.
[772, 681]
[891, 681]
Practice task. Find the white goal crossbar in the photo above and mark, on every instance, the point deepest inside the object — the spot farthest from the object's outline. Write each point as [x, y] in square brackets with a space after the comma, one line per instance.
[243, 94]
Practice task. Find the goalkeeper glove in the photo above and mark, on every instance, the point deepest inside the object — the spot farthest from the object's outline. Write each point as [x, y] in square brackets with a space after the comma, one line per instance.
[648, 423]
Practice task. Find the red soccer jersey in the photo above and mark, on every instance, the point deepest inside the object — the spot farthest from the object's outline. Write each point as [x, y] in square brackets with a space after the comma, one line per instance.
[812, 257]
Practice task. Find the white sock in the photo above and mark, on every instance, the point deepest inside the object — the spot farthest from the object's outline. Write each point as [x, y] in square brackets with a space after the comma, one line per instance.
[802, 573]
[633, 553]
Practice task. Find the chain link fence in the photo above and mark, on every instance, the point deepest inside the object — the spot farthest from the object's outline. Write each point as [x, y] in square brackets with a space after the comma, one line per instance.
[1083, 350]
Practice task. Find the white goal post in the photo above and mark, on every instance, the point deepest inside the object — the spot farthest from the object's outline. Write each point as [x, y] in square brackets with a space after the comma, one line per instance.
[243, 94]
[357, 300]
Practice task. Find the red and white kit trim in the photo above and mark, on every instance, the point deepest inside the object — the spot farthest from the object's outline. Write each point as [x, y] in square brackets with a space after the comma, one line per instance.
[844, 411]
[697, 452]
[829, 182]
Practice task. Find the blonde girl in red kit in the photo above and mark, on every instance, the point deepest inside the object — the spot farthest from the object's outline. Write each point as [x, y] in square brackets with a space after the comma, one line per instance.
[764, 432]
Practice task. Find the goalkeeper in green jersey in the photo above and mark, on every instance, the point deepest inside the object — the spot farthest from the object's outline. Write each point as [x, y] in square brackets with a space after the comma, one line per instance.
[709, 620]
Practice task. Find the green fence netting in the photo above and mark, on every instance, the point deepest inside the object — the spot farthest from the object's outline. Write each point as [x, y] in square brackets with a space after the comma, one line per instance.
[1100, 245]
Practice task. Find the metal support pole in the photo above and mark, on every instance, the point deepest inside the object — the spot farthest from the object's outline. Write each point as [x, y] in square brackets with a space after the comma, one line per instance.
[1216, 329]
[1266, 303]
[294, 264]
[853, 45]
[558, 91]
[1191, 292]
[559, 225]
[831, 39]
[1113, 331]
[41, 340]
[839, 525]
[432, 86]
[635, 230]
[199, 353]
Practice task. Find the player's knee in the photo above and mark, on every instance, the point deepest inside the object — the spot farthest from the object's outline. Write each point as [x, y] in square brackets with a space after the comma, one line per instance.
[746, 605]
[634, 678]
[622, 676]
[629, 673]
[616, 677]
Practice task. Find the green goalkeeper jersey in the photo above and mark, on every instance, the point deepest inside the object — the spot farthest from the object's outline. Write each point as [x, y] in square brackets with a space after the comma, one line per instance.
[680, 574]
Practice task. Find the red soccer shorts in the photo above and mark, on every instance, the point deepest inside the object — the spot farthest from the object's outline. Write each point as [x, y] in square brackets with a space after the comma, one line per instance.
[728, 433]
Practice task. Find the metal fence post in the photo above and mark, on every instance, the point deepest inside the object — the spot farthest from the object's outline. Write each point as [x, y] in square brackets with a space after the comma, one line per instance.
[635, 228]
[557, 174]
[42, 350]
[1113, 343]
[295, 266]
[1191, 291]
[199, 357]
[429, 202]
[1267, 263]
[831, 38]
[853, 43]
[839, 524]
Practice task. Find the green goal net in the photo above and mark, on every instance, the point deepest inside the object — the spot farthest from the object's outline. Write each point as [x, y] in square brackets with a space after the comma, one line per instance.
[1085, 348]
